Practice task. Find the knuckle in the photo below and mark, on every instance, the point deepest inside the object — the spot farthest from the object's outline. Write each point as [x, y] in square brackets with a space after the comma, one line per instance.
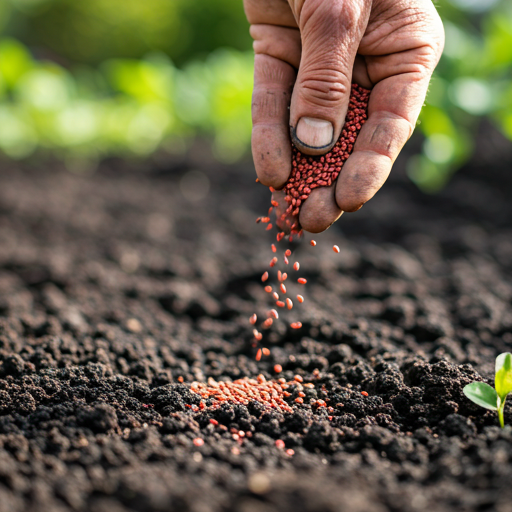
[324, 88]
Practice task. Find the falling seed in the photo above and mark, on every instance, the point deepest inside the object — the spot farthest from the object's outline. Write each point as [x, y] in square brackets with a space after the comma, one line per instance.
[267, 323]
[280, 304]
[258, 355]
[268, 288]
[253, 319]
[275, 295]
[280, 236]
[279, 275]
[278, 368]
[269, 227]
[289, 303]
[266, 351]
[258, 220]
[274, 248]
[257, 334]
[274, 313]
[283, 288]
[312, 243]
[265, 219]
[335, 248]
[296, 265]
[301, 280]
[273, 261]
[300, 298]
[284, 277]
[286, 261]
[274, 203]
[288, 252]
[296, 325]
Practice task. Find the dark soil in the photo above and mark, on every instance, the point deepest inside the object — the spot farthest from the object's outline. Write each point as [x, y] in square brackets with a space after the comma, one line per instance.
[113, 286]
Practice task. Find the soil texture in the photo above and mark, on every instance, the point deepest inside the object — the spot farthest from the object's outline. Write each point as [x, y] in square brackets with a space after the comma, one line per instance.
[119, 289]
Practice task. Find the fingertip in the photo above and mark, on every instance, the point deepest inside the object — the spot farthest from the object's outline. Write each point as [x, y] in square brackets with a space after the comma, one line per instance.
[319, 210]
[272, 155]
[362, 176]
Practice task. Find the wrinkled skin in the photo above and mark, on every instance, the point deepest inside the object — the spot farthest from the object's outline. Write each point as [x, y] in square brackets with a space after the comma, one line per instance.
[307, 54]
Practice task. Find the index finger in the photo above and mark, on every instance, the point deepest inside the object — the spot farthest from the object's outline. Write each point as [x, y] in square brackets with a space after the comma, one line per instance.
[393, 108]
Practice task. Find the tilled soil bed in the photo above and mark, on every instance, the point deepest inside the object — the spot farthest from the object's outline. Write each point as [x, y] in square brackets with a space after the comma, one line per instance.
[116, 293]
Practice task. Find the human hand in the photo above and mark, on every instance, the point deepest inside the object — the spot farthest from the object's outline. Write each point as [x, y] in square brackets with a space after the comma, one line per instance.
[308, 52]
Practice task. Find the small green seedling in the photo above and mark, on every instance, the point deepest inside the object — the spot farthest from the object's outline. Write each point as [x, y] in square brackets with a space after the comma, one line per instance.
[494, 399]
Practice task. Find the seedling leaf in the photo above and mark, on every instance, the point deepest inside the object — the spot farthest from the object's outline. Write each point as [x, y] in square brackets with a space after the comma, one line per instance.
[503, 378]
[482, 394]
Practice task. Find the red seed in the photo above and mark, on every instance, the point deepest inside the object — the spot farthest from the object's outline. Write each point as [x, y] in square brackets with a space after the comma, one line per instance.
[283, 288]
[280, 304]
[280, 236]
[278, 368]
[300, 298]
[282, 277]
[312, 243]
[335, 248]
[285, 259]
[280, 444]
[266, 351]
[299, 400]
[364, 393]
[264, 277]
[253, 319]
[279, 275]
[214, 422]
[273, 313]
[301, 280]
[257, 334]
[274, 203]
[288, 252]
[298, 378]
[290, 452]
[258, 220]
[267, 323]
[275, 295]
[273, 261]
[296, 265]
[269, 227]
[268, 289]
[258, 355]
[296, 325]
[289, 303]
[198, 441]
[265, 219]
[274, 249]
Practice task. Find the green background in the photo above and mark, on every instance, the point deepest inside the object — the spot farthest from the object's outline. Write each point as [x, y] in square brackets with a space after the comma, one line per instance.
[83, 80]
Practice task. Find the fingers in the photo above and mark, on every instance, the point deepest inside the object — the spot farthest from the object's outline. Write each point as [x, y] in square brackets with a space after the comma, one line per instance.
[394, 106]
[271, 149]
[319, 210]
[330, 32]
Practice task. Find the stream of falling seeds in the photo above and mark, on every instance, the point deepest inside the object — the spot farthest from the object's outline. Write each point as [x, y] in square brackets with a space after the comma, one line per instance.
[308, 173]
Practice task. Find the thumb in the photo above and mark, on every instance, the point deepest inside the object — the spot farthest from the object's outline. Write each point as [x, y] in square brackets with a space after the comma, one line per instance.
[330, 32]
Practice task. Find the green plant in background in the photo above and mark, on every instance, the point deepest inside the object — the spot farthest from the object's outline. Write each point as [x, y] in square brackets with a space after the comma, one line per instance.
[486, 396]
[124, 77]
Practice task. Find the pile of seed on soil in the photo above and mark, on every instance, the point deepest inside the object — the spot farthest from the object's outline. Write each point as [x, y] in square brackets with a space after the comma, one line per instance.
[116, 295]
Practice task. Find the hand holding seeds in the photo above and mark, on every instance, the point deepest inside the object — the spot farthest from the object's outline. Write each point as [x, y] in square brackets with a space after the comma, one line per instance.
[308, 52]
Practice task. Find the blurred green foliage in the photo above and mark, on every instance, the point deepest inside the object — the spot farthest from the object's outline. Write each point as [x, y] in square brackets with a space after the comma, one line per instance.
[127, 77]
